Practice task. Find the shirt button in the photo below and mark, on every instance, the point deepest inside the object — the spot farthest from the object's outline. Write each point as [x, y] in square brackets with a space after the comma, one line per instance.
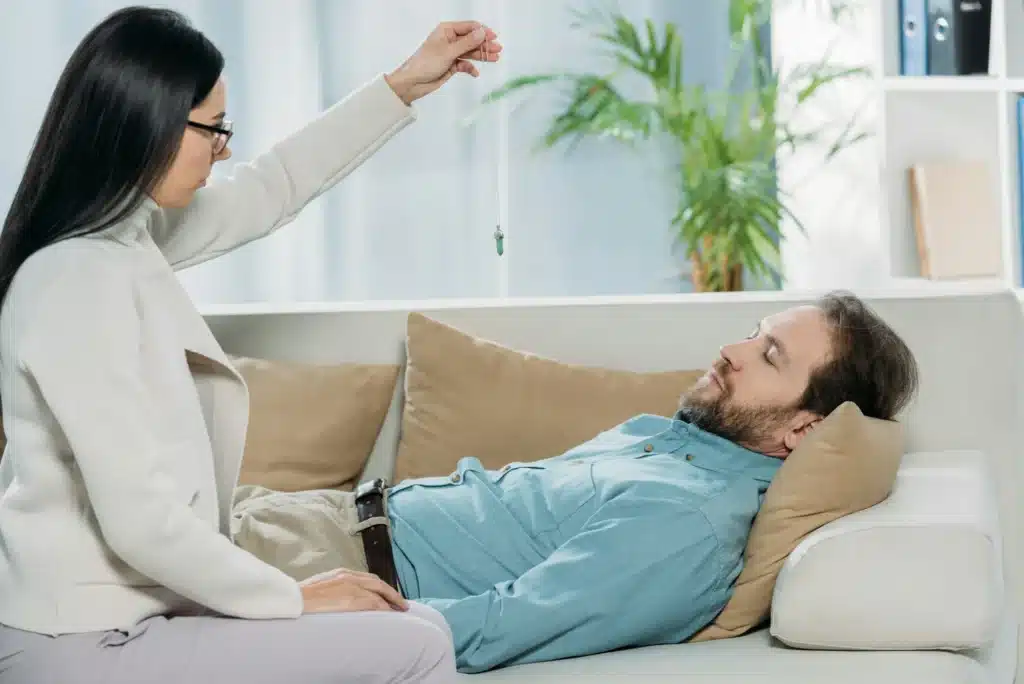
[456, 478]
[689, 457]
[648, 448]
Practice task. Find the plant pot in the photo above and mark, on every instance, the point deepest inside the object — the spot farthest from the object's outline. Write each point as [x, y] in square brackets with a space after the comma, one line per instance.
[701, 274]
[733, 283]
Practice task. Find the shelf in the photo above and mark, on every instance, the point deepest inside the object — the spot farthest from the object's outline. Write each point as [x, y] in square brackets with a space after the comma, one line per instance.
[961, 84]
[915, 120]
[929, 126]
[965, 284]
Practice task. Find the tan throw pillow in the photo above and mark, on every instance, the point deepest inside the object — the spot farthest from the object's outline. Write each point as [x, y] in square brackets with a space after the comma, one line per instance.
[465, 396]
[312, 426]
[848, 463]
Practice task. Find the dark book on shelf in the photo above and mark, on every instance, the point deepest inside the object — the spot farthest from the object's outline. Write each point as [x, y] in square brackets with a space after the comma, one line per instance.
[959, 33]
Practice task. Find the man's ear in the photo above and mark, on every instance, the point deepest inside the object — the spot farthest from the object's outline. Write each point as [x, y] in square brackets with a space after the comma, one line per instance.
[799, 427]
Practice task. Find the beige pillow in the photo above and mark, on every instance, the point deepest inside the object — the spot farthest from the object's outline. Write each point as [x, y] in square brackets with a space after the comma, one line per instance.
[312, 426]
[848, 463]
[465, 396]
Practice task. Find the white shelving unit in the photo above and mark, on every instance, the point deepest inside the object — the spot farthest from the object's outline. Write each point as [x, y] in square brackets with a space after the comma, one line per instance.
[857, 208]
[924, 118]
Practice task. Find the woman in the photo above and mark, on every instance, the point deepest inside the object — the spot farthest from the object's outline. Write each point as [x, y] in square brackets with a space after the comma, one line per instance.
[126, 422]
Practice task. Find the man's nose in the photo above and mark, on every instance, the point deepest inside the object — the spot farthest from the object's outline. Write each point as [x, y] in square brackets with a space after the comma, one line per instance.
[729, 356]
[736, 354]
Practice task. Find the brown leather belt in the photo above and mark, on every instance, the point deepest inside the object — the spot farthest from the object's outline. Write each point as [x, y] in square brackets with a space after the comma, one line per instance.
[380, 559]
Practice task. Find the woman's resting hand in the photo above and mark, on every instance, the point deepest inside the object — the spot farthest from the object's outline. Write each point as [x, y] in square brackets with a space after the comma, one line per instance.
[342, 591]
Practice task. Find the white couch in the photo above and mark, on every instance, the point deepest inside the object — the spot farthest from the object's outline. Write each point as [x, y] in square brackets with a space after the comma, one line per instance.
[968, 344]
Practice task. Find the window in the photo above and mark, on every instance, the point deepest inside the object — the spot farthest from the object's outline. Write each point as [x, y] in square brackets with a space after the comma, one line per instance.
[417, 219]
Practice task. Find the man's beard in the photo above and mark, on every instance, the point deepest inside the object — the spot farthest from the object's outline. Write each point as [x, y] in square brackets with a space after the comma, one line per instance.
[750, 426]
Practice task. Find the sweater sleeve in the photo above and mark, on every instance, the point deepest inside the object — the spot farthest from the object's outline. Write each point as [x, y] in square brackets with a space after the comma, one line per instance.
[88, 370]
[267, 193]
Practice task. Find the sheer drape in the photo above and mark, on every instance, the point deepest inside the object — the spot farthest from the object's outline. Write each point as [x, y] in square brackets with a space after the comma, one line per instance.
[416, 220]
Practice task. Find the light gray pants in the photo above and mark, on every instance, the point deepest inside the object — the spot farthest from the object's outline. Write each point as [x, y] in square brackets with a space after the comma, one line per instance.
[334, 648]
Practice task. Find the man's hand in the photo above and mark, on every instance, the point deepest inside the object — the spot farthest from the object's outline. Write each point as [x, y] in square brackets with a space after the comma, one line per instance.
[450, 48]
[343, 591]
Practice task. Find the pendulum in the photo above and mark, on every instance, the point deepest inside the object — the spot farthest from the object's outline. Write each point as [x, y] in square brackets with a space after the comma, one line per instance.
[499, 240]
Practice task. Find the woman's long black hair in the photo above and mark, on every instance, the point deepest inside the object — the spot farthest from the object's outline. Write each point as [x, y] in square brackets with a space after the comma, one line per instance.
[112, 128]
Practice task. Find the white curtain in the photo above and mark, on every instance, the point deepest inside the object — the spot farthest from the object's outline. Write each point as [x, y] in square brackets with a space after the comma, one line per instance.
[416, 220]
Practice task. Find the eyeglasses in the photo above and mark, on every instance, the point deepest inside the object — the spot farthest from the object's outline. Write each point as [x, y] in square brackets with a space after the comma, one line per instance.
[222, 133]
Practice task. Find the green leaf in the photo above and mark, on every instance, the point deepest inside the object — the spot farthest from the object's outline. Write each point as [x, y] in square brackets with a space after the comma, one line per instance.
[793, 217]
[652, 45]
[519, 83]
[825, 76]
[839, 145]
[627, 33]
[674, 58]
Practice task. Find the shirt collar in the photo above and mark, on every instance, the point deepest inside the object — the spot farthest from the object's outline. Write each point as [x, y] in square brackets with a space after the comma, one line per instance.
[718, 453]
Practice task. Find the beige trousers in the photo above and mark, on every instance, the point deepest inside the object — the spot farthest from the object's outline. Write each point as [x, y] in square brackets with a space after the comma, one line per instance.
[300, 533]
[303, 534]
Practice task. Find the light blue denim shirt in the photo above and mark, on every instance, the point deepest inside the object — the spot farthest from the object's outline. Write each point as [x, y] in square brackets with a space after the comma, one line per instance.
[633, 538]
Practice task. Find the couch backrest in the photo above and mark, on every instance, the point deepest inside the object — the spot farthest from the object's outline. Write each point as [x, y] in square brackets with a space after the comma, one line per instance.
[968, 344]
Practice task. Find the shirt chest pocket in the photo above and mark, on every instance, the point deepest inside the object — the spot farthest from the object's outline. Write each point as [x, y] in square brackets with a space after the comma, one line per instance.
[547, 497]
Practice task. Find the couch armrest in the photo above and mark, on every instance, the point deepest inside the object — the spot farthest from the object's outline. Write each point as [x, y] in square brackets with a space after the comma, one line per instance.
[921, 570]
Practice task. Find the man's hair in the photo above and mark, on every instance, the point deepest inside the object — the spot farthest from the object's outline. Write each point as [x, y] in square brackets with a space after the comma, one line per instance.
[869, 363]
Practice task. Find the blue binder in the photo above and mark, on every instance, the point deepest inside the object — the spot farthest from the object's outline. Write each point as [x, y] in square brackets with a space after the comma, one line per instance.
[914, 37]
[1020, 181]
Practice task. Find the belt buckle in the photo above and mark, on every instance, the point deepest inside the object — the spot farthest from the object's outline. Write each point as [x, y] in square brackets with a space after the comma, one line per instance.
[371, 488]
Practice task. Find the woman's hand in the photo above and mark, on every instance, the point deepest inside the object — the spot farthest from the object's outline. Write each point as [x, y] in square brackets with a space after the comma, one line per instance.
[446, 51]
[343, 591]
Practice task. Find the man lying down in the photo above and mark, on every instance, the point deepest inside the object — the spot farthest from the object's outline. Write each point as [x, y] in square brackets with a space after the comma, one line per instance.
[632, 538]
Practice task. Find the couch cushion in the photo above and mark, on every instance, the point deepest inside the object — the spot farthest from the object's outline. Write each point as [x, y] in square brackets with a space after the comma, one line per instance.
[312, 426]
[466, 396]
[921, 570]
[754, 658]
[847, 463]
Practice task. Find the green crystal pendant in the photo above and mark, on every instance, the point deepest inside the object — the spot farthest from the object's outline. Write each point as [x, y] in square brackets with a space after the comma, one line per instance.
[499, 241]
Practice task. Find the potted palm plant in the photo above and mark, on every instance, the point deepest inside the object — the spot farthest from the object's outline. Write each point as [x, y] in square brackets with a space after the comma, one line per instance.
[725, 141]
